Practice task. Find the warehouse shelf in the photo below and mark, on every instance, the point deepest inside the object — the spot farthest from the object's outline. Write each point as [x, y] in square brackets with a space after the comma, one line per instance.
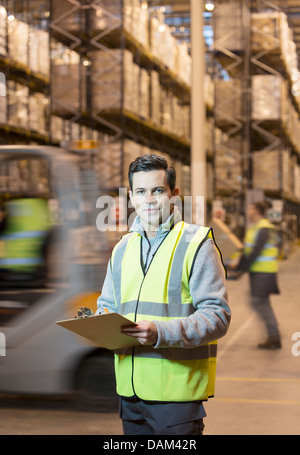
[24, 136]
[176, 146]
[162, 139]
[74, 35]
[168, 77]
[115, 40]
[144, 56]
[22, 73]
[255, 106]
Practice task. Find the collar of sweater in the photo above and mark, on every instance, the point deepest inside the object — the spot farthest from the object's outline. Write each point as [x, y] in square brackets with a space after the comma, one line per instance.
[163, 228]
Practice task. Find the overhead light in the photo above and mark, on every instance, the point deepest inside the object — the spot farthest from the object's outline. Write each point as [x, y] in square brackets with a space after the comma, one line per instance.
[11, 17]
[209, 6]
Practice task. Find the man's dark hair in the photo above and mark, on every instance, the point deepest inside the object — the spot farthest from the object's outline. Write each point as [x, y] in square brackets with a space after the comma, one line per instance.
[261, 207]
[152, 162]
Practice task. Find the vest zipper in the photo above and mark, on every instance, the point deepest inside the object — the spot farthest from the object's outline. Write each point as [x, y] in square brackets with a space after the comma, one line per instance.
[135, 314]
[138, 299]
[137, 304]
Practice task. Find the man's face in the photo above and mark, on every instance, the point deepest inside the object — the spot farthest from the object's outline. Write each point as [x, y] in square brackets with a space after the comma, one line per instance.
[150, 196]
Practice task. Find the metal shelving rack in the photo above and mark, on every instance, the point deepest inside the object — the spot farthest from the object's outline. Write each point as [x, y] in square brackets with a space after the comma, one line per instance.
[71, 25]
[245, 138]
[75, 31]
[231, 62]
[21, 73]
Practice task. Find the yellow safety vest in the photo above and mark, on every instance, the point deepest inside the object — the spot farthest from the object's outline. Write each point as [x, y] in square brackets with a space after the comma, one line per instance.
[161, 293]
[267, 262]
[27, 226]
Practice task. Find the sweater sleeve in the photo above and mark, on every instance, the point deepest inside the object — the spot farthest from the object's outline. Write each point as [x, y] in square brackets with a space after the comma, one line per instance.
[210, 300]
[106, 299]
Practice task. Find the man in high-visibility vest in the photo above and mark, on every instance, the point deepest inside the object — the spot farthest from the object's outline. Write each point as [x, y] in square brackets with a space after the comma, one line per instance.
[167, 276]
[260, 259]
[26, 227]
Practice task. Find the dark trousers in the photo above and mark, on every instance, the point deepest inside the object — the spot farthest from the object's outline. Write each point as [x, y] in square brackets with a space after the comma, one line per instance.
[151, 418]
[263, 308]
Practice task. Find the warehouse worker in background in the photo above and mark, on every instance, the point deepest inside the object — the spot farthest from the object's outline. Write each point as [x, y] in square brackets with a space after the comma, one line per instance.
[260, 259]
[168, 277]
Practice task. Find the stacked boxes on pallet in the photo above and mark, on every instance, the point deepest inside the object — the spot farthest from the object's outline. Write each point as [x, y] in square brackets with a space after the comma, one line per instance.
[3, 30]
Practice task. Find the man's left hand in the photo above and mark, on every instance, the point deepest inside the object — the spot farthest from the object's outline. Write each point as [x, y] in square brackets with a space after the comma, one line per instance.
[144, 331]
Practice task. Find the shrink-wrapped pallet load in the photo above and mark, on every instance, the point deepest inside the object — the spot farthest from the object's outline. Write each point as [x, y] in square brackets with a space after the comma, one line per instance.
[228, 100]
[18, 37]
[186, 181]
[266, 97]
[139, 23]
[3, 30]
[110, 164]
[177, 126]
[3, 98]
[144, 89]
[271, 32]
[157, 28]
[266, 170]
[209, 181]
[128, 15]
[56, 128]
[167, 47]
[155, 90]
[38, 112]
[297, 181]
[65, 77]
[287, 172]
[166, 110]
[183, 64]
[266, 31]
[111, 14]
[228, 27]
[67, 16]
[131, 151]
[208, 91]
[186, 121]
[111, 86]
[17, 104]
[39, 58]
[228, 169]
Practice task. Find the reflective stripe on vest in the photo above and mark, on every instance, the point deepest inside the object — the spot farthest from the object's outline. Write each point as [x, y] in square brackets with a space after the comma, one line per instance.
[161, 293]
[267, 261]
[21, 261]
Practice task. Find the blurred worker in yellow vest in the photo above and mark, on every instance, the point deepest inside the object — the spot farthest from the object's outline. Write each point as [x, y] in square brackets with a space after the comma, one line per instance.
[260, 259]
[23, 238]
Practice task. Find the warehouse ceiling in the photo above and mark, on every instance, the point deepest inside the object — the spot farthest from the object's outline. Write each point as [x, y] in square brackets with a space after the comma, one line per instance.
[177, 14]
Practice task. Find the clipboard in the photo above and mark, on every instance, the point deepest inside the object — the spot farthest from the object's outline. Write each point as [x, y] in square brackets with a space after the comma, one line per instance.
[102, 329]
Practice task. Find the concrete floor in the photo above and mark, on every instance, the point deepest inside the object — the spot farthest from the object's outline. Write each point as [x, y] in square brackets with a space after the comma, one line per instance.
[257, 392]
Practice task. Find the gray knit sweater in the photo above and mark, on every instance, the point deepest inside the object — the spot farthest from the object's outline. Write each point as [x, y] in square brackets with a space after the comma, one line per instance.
[207, 288]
